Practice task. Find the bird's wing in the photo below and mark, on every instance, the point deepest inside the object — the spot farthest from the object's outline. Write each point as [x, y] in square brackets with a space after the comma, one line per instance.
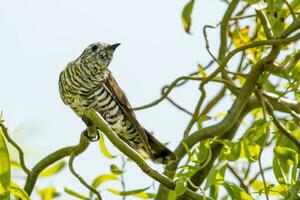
[117, 93]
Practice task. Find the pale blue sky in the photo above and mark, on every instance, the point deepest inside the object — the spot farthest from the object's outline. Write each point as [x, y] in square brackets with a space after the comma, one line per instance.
[38, 38]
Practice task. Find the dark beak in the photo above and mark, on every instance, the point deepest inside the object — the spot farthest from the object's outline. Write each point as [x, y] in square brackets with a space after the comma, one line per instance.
[113, 47]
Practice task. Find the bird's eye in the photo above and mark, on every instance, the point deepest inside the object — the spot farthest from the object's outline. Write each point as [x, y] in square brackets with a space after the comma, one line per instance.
[94, 48]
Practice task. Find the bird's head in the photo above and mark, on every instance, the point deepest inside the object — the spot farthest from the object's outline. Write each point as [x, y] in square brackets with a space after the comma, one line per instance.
[97, 56]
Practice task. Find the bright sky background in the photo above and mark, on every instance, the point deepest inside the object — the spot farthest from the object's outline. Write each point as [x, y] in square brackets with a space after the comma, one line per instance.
[38, 39]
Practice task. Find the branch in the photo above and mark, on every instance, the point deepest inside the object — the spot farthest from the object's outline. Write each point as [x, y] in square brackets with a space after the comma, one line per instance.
[286, 66]
[257, 174]
[265, 23]
[260, 96]
[174, 84]
[230, 119]
[52, 158]
[133, 155]
[290, 29]
[207, 43]
[282, 103]
[174, 103]
[200, 175]
[290, 9]
[224, 28]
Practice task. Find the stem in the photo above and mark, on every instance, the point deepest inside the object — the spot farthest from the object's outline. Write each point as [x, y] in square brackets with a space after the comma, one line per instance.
[14, 144]
[82, 181]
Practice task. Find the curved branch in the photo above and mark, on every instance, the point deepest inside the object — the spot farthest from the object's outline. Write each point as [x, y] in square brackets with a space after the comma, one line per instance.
[133, 155]
[82, 181]
[175, 82]
[52, 158]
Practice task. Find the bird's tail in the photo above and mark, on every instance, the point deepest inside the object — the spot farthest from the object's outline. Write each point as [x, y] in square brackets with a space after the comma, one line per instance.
[160, 153]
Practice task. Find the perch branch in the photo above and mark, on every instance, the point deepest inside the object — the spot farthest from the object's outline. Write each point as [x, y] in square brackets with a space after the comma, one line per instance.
[133, 155]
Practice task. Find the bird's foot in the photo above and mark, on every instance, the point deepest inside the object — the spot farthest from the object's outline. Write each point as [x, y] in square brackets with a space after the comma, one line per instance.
[93, 137]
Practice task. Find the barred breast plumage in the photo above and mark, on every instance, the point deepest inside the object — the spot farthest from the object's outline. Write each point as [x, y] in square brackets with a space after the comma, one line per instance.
[87, 83]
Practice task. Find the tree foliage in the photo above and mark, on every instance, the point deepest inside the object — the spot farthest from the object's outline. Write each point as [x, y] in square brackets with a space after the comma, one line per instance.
[218, 153]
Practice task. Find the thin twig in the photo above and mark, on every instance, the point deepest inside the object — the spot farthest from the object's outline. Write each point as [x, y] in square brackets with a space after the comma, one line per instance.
[207, 43]
[235, 173]
[290, 9]
[195, 116]
[257, 174]
[82, 181]
[242, 17]
[122, 176]
[263, 105]
[17, 147]
[280, 127]
[247, 171]
[213, 101]
[174, 103]
[174, 83]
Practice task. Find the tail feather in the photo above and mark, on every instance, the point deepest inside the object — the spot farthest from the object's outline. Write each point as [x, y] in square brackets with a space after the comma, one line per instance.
[160, 153]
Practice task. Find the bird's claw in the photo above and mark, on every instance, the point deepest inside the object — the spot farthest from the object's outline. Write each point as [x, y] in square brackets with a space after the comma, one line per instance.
[91, 138]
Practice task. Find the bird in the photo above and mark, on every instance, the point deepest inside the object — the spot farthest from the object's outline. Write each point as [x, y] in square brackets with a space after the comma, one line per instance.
[86, 83]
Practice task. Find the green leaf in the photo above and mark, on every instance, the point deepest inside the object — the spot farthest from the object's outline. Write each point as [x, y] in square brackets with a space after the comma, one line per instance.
[278, 4]
[256, 133]
[48, 193]
[285, 153]
[103, 178]
[277, 24]
[271, 5]
[187, 149]
[295, 4]
[76, 194]
[18, 191]
[295, 72]
[240, 36]
[53, 169]
[236, 192]
[127, 193]
[186, 15]
[259, 187]
[214, 191]
[4, 168]
[181, 186]
[215, 173]
[294, 170]
[293, 192]
[203, 74]
[231, 151]
[277, 171]
[252, 151]
[115, 170]
[14, 164]
[172, 195]
[103, 147]
[145, 195]
[252, 1]
[204, 155]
